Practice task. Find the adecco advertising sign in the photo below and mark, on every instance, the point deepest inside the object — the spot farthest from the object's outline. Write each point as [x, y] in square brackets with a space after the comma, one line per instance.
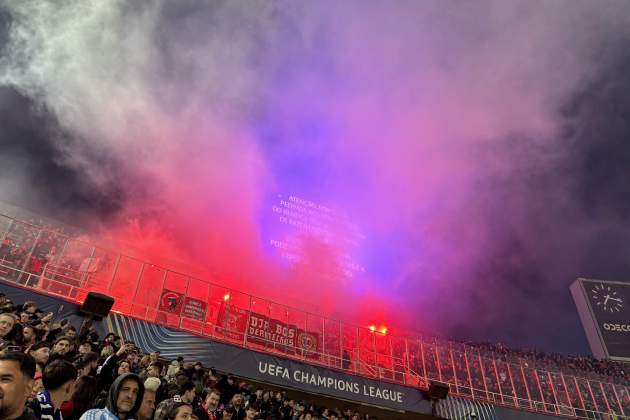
[604, 308]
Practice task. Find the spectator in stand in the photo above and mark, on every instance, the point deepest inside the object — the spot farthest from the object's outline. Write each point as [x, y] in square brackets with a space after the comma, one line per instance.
[265, 404]
[71, 332]
[29, 335]
[173, 370]
[186, 394]
[237, 404]
[197, 376]
[85, 348]
[228, 413]
[58, 379]
[17, 371]
[227, 387]
[250, 412]
[38, 385]
[7, 322]
[256, 396]
[61, 349]
[82, 399]
[123, 400]
[210, 380]
[114, 366]
[40, 352]
[179, 411]
[147, 407]
[285, 409]
[86, 364]
[147, 359]
[210, 409]
[155, 371]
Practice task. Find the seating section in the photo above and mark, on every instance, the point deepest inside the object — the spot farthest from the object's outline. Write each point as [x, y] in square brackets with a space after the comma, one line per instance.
[49, 259]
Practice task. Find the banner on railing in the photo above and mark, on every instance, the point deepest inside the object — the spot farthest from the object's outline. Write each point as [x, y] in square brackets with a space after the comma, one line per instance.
[177, 304]
[232, 322]
[238, 324]
[288, 338]
[171, 302]
[195, 309]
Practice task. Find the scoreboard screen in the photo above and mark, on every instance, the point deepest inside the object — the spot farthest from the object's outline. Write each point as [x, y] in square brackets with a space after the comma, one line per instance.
[604, 309]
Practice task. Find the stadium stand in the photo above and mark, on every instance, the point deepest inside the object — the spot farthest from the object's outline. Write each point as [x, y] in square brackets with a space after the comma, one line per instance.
[211, 393]
[47, 259]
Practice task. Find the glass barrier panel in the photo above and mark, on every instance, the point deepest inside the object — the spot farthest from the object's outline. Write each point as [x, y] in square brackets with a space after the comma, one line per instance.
[599, 396]
[445, 363]
[332, 343]
[492, 380]
[5, 226]
[547, 388]
[124, 283]
[310, 342]
[48, 244]
[505, 382]
[476, 373]
[399, 359]
[367, 355]
[611, 397]
[520, 386]
[238, 316]
[561, 393]
[349, 347]
[261, 329]
[16, 250]
[195, 305]
[101, 271]
[461, 370]
[575, 396]
[74, 255]
[430, 359]
[624, 398]
[577, 399]
[560, 389]
[217, 316]
[172, 297]
[589, 401]
[149, 291]
[417, 374]
[533, 385]
[384, 362]
[285, 332]
[298, 320]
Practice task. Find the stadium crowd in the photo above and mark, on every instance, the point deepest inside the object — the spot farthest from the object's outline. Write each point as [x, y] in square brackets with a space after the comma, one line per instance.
[30, 245]
[483, 369]
[51, 371]
[604, 369]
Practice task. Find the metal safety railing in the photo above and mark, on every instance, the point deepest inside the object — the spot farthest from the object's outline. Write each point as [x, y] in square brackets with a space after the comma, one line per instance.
[51, 262]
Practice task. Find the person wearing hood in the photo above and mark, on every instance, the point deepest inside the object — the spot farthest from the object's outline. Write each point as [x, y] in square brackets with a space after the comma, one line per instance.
[123, 401]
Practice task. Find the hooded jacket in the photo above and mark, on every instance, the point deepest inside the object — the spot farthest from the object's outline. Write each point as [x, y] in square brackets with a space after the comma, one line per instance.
[111, 408]
[112, 397]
